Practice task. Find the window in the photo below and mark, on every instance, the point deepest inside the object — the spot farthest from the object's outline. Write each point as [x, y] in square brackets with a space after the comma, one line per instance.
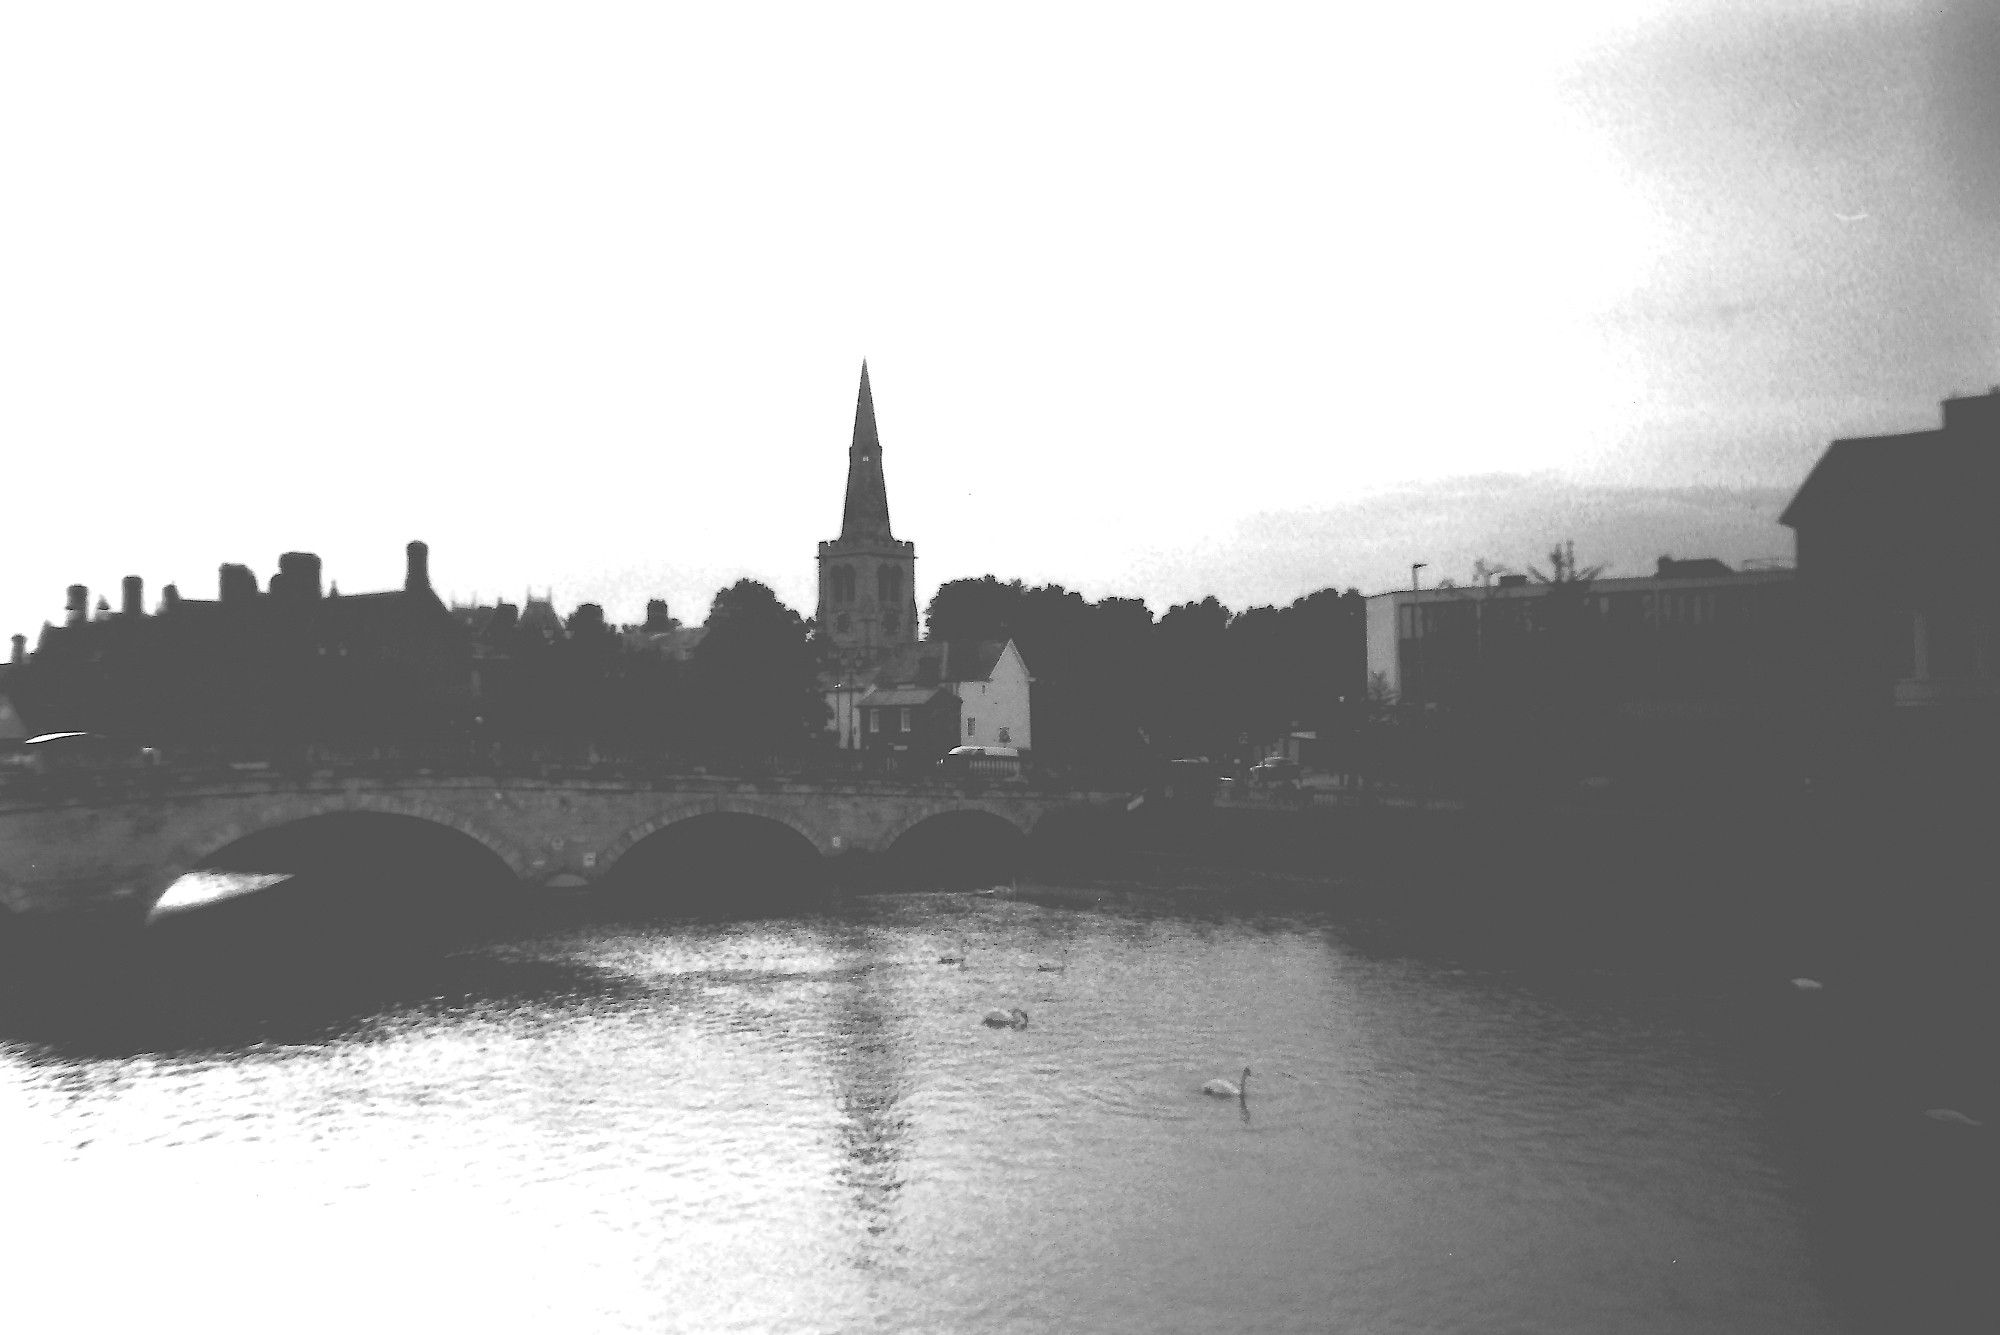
[903, 721]
[1899, 641]
[1953, 645]
[874, 720]
[971, 728]
[843, 584]
[842, 623]
[889, 584]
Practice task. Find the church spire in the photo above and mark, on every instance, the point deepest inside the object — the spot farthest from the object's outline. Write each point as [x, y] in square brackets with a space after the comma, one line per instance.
[867, 512]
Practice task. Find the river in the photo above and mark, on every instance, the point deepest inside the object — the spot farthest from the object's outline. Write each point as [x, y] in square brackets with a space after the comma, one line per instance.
[800, 1123]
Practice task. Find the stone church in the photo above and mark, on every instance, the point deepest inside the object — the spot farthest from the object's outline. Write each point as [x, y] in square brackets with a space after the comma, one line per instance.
[886, 690]
[867, 579]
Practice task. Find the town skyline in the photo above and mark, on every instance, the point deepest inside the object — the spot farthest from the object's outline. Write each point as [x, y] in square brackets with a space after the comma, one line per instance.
[1158, 311]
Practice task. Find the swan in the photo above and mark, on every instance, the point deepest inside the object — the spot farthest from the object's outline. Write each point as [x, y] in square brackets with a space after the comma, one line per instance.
[1951, 1116]
[1806, 984]
[1009, 1019]
[1222, 1089]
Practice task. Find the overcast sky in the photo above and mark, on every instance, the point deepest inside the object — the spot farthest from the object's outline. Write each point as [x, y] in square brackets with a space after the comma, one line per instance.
[1158, 300]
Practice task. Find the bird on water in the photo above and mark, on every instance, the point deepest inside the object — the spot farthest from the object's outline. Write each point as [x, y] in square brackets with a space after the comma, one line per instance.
[1222, 1089]
[1008, 1019]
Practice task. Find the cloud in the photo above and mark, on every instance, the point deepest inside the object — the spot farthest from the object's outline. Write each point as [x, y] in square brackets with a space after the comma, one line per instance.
[1509, 519]
[1966, 108]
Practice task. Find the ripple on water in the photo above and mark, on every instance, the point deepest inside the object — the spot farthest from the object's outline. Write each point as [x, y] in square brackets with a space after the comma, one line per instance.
[802, 1123]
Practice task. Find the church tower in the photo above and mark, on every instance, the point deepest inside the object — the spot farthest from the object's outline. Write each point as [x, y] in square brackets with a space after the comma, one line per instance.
[867, 579]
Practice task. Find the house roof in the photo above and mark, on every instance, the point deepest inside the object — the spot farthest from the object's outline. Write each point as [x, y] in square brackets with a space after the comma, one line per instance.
[975, 662]
[906, 697]
[1915, 471]
[907, 665]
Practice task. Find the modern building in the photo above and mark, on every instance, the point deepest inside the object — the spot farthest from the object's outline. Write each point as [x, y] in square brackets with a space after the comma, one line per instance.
[1694, 637]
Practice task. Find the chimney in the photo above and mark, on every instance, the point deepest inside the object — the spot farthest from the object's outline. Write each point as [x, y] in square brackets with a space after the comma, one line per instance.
[418, 577]
[656, 616]
[1976, 415]
[20, 650]
[78, 606]
[301, 572]
[170, 598]
[135, 590]
[239, 586]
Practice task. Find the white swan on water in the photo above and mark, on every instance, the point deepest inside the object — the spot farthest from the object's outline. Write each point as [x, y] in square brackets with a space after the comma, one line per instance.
[1951, 1117]
[1222, 1089]
[1008, 1019]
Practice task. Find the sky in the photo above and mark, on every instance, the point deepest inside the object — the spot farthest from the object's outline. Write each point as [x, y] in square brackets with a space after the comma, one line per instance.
[1159, 301]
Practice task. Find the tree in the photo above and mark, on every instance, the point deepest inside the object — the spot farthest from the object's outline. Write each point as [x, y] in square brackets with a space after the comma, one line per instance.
[971, 610]
[754, 693]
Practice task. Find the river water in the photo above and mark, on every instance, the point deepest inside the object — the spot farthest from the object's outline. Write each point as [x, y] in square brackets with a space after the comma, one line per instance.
[801, 1124]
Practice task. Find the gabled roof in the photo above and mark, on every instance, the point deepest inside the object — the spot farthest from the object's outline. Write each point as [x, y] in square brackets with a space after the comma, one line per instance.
[975, 662]
[1908, 472]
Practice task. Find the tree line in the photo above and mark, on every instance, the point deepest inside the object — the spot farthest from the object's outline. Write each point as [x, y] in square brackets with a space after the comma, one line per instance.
[385, 673]
[1114, 687]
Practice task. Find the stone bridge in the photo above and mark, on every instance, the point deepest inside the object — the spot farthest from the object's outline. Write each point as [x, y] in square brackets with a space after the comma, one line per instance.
[112, 844]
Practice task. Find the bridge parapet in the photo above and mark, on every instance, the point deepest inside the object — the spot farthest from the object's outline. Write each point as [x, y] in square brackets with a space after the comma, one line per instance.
[113, 842]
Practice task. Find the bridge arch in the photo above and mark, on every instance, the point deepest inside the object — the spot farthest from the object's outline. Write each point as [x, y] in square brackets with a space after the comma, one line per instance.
[954, 845]
[933, 811]
[737, 804]
[273, 814]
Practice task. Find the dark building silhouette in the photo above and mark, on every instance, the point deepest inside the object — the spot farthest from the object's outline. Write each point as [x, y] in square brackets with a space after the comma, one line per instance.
[251, 671]
[867, 579]
[1898, 541]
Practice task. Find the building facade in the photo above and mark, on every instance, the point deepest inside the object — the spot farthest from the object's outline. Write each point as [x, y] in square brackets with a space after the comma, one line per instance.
[1898, 548]
[993, 687]
[1695, 636]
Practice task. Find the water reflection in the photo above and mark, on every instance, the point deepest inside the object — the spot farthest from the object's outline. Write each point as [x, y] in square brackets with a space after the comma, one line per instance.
[868, 1051]
[800, 1121]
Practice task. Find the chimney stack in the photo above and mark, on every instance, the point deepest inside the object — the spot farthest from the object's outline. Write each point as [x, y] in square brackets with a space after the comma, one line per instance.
[79, 605]
[1975, 415]
[135, 591]
[170, 598]
[418, 577]
[301, 572]
[20, 650]
[239, 586]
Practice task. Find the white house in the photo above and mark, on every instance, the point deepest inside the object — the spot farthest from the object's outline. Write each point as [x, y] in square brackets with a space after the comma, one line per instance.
[992, 684]
[991, 681]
